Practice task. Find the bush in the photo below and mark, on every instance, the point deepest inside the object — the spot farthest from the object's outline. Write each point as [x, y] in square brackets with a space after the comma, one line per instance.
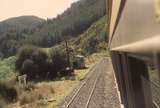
[24, 53]
[28, 68]
[78, 63]
[8, 92]
[7, 68]
[40, 64]
[59, 61]
[33, 62]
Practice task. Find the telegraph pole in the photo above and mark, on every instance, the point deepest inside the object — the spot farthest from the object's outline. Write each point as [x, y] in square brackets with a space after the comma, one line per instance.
[68, 54]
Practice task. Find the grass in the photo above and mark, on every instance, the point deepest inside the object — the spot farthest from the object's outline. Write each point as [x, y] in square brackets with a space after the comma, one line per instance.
[64, 87]
[46, 94]
[49, 94]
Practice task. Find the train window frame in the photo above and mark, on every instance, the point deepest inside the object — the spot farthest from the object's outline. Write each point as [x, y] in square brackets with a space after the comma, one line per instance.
[132, 67]
[154, 61]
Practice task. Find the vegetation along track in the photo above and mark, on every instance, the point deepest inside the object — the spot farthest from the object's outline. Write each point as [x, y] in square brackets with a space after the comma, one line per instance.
[82, 97]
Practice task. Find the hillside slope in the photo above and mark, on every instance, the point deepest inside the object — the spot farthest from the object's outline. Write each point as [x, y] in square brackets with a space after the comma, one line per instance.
[22, 22]
[36, 61]
[74, 21]
[26, 21]
[92, 40]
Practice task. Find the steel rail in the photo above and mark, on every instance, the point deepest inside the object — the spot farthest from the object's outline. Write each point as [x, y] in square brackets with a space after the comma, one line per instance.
[92, 91]
[90, 94]
[70, 102]
[77, 92]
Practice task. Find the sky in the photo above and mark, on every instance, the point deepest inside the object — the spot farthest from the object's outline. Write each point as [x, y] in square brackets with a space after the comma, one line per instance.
[41, 8]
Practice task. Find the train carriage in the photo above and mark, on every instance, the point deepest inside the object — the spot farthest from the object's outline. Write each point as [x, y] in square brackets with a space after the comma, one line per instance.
[134, 43]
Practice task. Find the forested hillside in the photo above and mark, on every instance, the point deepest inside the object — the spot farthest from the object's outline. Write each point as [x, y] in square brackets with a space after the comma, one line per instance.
[74, 21]
[71, 23]
[45, 59]
[93, 39]
[22, 22]
[14, 33]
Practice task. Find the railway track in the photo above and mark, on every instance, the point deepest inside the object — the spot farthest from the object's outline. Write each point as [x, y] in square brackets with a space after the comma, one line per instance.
[97, 99]
[82, 96]
[96, 91]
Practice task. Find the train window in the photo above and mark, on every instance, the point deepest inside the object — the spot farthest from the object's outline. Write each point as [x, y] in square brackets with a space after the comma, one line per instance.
[154, 79]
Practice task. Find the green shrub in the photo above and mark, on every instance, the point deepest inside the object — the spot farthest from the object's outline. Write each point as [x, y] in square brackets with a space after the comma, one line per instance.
[24, 53]
[90, 45]
[7, 68]
[59, 61]
[40, 64]
[75, 64]
[8, 92]
[78, 61]
[32, 61]
[28, 68]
